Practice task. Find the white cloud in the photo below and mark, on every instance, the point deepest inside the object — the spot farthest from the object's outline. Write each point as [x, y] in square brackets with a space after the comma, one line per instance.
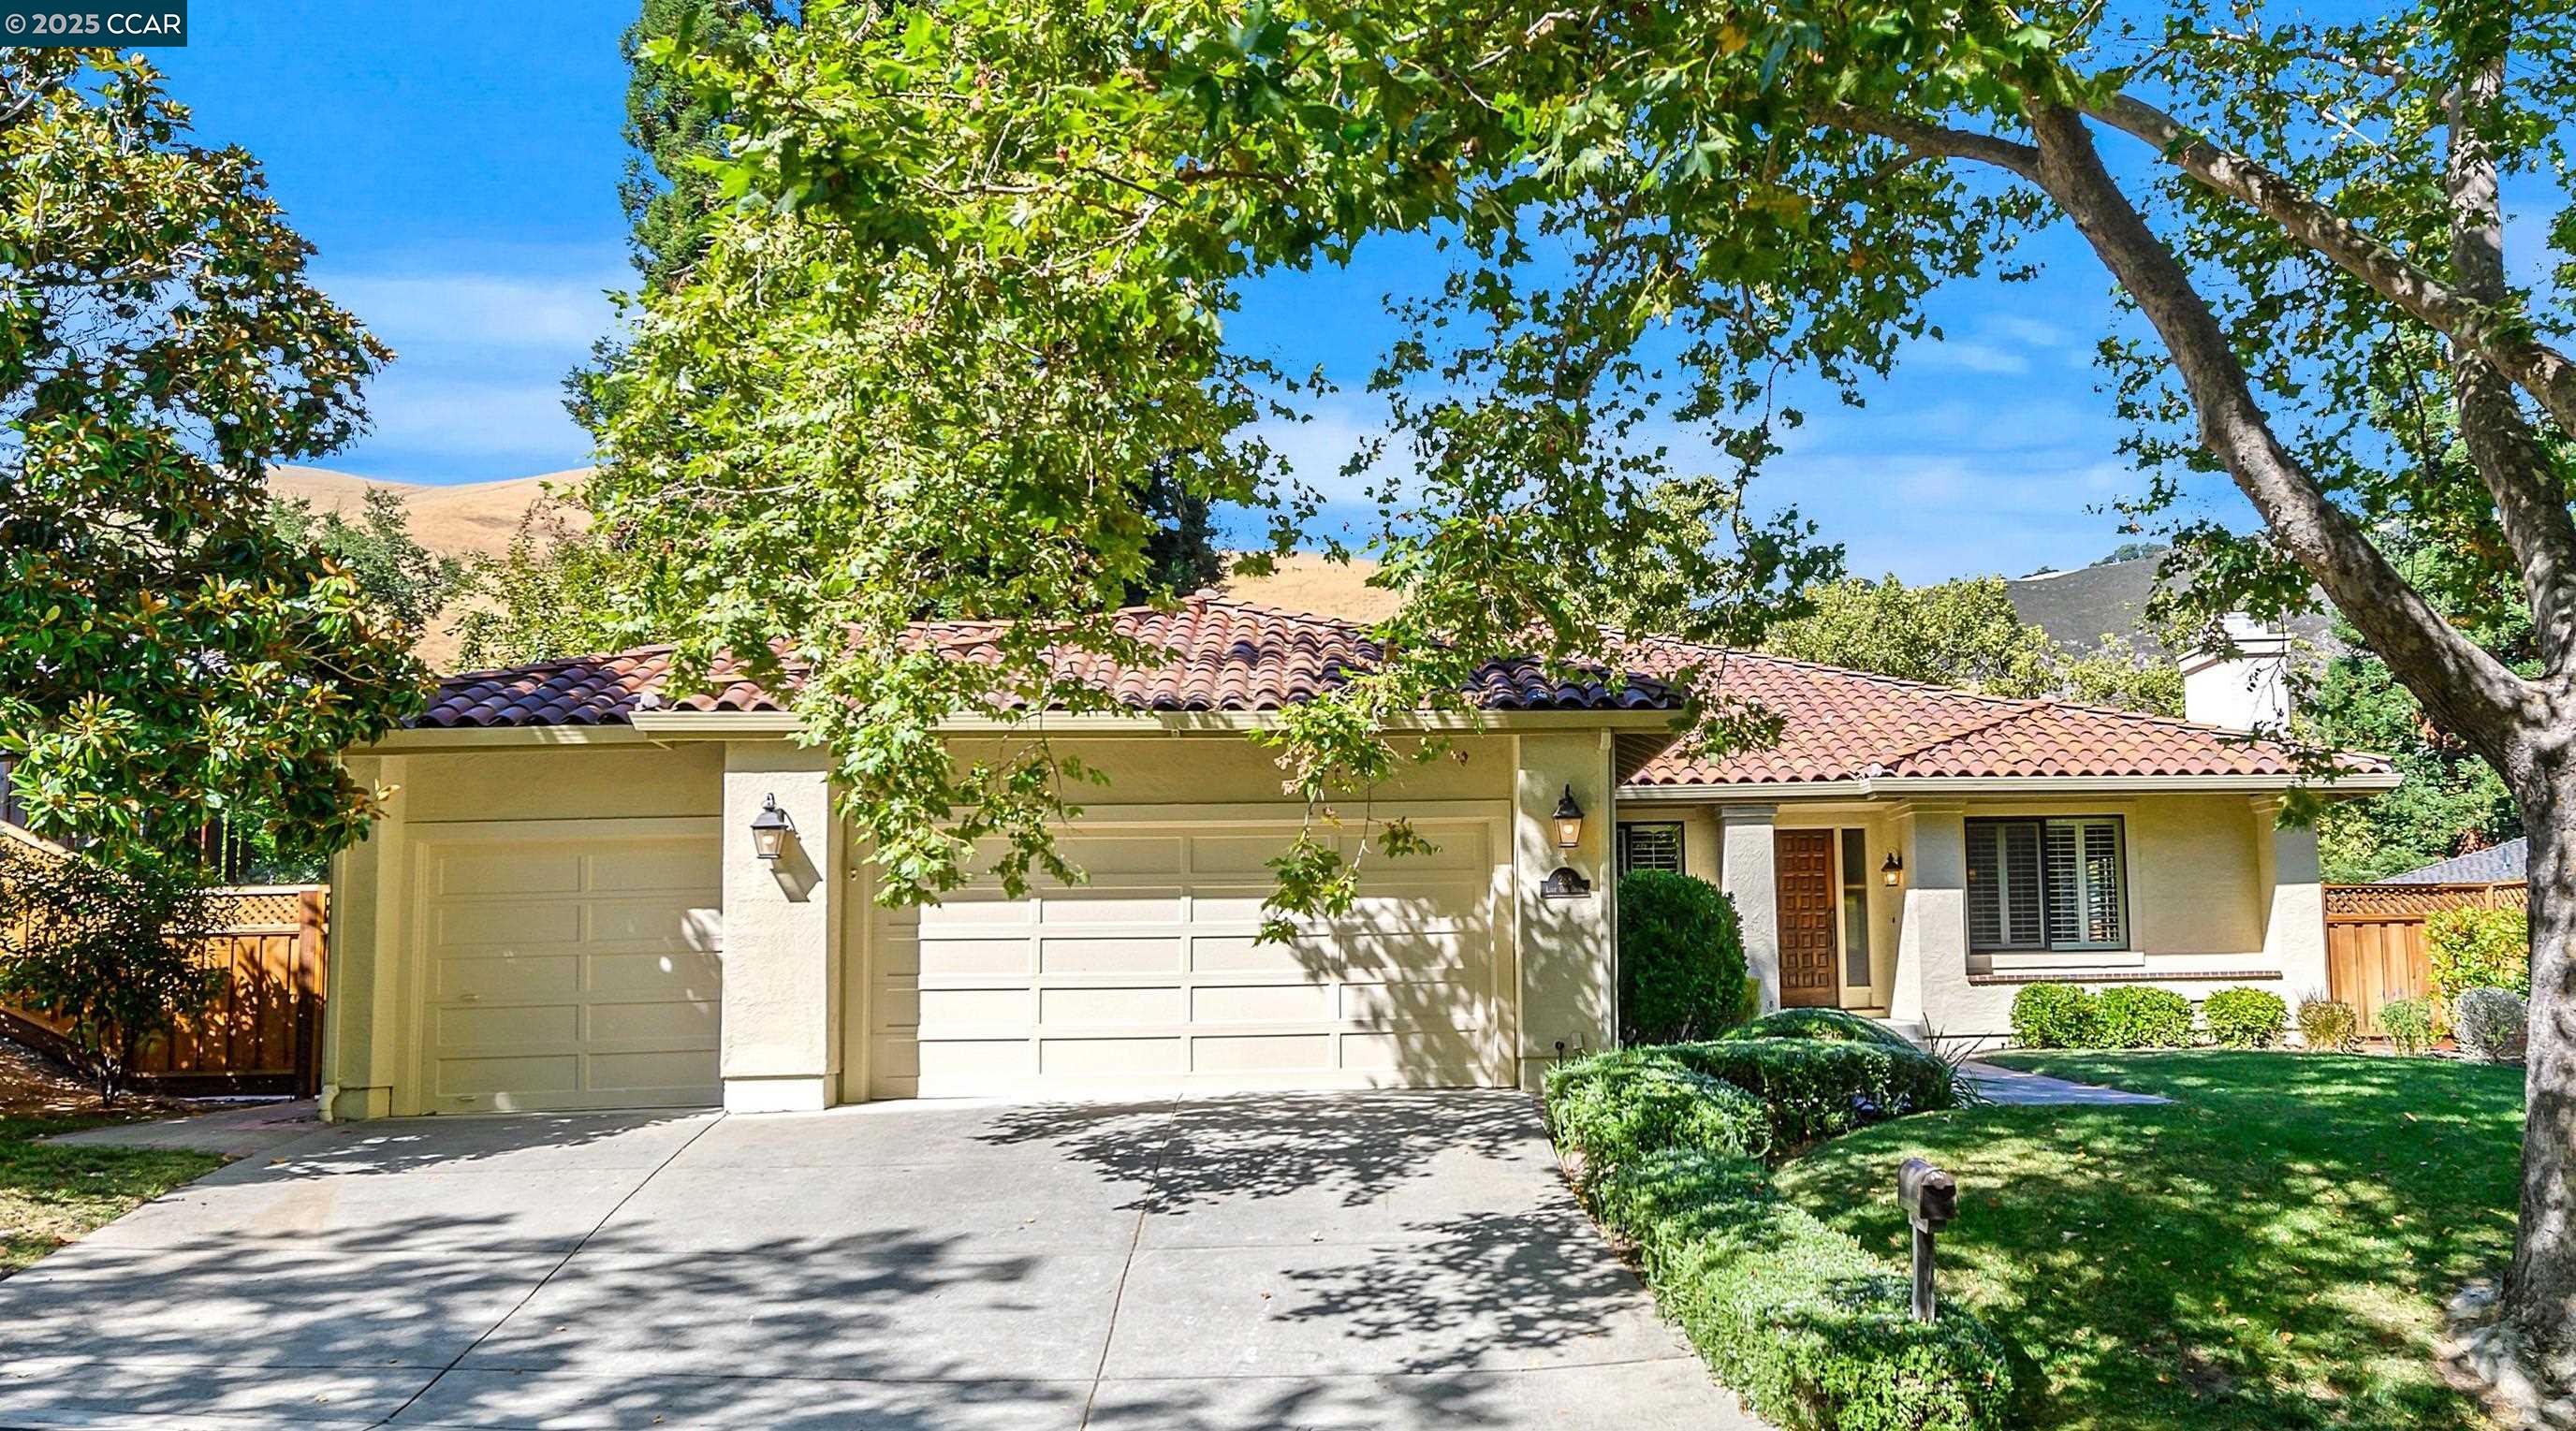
[431, 414]
[480, 310]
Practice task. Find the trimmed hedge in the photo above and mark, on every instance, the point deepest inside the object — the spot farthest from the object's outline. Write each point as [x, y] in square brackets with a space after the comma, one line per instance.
[1817, 1088]
[1828, 1025]
[1681, 958]
[2244, 1018]
[1798, 1318]
[1617, 1107]
[2137, 1016]
[2056, 1016]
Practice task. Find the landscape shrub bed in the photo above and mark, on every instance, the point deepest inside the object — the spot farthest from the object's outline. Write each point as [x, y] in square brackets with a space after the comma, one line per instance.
[1812, 1088]
[1830, 1025]
[1618, 1106]
[1798, 1318]
[2056, 1016]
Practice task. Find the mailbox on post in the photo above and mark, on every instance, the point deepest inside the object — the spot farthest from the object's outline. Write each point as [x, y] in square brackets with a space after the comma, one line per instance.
[1930, 1198]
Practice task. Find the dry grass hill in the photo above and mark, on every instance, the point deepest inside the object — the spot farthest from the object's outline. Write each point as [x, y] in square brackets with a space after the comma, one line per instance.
[478, 518]
[467, 518]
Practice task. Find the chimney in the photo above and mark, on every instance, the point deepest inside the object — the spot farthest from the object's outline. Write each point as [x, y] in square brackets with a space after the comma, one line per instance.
[2249, 690]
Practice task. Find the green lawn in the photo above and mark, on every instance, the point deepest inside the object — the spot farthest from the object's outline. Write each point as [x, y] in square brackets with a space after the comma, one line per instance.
[53, 1195]
[2270, 1251]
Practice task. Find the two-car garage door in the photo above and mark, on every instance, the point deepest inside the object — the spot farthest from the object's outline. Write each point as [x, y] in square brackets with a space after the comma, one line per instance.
[1149, 976]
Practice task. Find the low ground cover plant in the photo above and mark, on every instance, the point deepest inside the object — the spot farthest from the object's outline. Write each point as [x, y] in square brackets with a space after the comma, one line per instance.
[1681, 958]
[1813, 1088]
[1811, 1329]
[2244, 1018]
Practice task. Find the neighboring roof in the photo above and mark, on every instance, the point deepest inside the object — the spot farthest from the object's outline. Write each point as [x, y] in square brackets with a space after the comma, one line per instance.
[2078, 608]
[1224, 655]
[1839, 725]
[2496, 864]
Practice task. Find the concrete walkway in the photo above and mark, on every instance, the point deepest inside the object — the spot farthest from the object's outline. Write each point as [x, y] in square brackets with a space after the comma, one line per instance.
[238, 1131]
[2012, 1085]
[1393, 1260]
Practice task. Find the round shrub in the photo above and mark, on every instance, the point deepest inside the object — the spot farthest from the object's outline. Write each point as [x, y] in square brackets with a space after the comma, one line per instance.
[2056, 1016]
[1616, 1107]
[2245, 1018]
[1820, 1088]
[2490, 1025]
[2135, 1016]
[1681, 958]
[2408, 1023]
[2329, 1025]
[1830, 1025]
[2478, 949]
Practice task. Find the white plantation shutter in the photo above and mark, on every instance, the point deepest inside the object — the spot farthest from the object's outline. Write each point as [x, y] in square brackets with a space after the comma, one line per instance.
[1650, 847]
[2046, 884]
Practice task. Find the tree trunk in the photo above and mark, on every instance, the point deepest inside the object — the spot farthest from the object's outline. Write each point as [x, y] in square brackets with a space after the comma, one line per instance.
[2540, 1288]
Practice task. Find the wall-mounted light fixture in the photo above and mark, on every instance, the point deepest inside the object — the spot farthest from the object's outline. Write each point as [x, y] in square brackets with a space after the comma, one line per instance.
[1569, 821]
[1890, 871]
[770, 829]
[1565, 882]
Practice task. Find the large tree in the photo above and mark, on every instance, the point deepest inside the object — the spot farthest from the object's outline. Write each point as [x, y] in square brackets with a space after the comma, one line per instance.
[1965, 632]
[1004, 237]
[168, 656]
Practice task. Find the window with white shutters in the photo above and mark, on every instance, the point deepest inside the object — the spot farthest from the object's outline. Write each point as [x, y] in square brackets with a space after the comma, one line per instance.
[1650, 847]
[2047, 884]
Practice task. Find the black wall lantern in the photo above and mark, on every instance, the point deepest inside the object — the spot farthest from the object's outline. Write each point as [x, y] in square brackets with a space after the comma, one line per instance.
[1890, 870]
[770, 829]
[1564, 882]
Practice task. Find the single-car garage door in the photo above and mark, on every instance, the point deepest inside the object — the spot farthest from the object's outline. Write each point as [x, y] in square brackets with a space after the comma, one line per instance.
[1149, 976]
[570, 969]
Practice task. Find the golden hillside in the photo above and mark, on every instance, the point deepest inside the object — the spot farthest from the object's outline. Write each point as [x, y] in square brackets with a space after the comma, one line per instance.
[467, 518]
[1306, 582]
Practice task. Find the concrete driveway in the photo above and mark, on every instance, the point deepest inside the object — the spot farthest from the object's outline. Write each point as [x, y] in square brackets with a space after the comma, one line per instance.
[1368, 1260]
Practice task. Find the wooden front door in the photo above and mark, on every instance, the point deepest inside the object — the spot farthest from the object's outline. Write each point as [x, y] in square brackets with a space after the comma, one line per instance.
[1803, 869]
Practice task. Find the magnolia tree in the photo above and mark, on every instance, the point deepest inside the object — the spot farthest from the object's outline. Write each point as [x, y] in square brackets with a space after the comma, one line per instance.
[168, 654]
[973, 296]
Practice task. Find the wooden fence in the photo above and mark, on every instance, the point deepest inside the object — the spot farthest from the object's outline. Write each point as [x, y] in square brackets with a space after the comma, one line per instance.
[2375, 948]
[263, 1034]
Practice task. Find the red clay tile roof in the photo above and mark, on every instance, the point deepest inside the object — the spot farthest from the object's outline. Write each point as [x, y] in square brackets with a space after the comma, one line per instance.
[1224, 656]
[1850, 725]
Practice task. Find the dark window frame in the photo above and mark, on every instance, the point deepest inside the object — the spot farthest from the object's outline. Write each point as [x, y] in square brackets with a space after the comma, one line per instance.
[2127, 942]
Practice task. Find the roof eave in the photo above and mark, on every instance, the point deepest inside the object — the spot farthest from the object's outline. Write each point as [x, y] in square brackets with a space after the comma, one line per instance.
[2354, 784]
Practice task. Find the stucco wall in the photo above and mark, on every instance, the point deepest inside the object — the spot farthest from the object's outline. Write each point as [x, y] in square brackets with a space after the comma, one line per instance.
[565, 782]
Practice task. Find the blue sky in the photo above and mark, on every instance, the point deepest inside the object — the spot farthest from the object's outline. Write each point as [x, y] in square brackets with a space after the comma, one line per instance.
[456, 166]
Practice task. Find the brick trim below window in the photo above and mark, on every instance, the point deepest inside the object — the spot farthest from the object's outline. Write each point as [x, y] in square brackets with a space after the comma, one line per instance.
[2127, 976]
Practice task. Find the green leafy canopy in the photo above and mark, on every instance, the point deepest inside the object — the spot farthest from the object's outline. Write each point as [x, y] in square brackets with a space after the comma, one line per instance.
[168, 655]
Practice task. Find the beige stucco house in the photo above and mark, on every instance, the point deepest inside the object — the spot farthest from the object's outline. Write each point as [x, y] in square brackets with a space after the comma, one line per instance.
[567, 904]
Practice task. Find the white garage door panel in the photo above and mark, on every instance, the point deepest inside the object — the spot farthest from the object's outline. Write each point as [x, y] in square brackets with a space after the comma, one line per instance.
[1151, 977]
[572, 971]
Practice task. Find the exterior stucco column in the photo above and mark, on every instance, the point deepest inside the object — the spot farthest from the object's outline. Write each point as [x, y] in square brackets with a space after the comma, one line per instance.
[2294, 925]
[1568, 947]
[360, 1040]
[1932, 931]
[1751, 878]
[781, 1035]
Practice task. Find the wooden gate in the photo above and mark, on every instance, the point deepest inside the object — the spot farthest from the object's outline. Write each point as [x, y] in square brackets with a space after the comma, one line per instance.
[2375, 948]
[263, 1033]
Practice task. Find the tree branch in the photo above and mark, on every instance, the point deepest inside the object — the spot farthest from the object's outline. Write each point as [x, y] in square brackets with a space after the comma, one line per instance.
[2509, 457]
[2499, 335]
[2457, 680]
[1932, 140]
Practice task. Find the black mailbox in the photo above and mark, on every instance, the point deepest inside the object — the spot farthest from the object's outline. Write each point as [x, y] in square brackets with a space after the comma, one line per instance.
[1929, 1196]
